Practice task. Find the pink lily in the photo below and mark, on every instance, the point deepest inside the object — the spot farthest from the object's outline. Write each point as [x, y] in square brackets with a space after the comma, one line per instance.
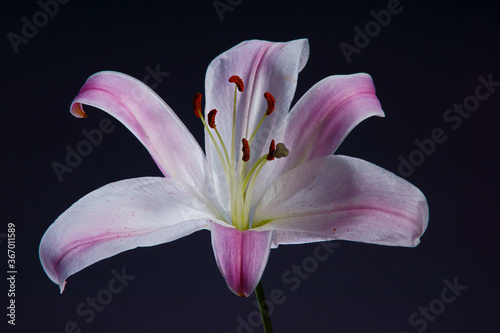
[308, 195]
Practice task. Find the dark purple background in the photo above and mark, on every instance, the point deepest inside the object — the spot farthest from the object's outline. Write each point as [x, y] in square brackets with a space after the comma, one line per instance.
[425, 60]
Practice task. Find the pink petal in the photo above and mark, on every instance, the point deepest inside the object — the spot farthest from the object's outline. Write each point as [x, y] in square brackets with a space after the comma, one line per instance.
[150, 119]
[324, 116]
[240, 255]
[340, 197]
[264, 67]
[118, 217]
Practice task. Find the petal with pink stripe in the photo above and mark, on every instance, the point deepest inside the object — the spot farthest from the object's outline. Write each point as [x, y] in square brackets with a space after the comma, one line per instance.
[121, 216]
[150, 119]
[240, 255]
[341, 197]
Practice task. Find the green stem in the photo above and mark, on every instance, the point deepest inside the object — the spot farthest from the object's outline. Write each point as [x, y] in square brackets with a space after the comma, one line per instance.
[264, 311]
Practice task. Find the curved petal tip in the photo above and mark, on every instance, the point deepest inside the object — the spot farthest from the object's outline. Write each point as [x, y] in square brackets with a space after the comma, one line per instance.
[240, 255]
[77, 110]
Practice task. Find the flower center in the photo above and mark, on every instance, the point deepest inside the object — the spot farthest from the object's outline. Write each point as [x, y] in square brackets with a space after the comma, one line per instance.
[240, 177]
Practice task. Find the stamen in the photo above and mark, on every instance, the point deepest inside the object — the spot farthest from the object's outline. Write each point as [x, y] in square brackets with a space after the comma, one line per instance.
[249, 182]
[270, 108]
[270, 102]
[281, 150]
[211, 118]
[246, 150]
[241, 182]
[238, 81]
[197, 105]
[254, 171]
[272, 149]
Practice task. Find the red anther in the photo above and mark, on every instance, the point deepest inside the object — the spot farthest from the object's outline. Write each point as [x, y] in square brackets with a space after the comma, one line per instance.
[197, 105]
[270, 102]
[272, 149]
[211, 118]
[238, 81]
[246, 150]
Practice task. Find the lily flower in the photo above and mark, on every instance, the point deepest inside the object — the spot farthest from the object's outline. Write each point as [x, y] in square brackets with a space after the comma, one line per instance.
[268, 176]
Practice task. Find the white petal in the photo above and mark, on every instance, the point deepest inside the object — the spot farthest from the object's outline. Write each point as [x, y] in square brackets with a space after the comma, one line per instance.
[121, 216]
[340, 197]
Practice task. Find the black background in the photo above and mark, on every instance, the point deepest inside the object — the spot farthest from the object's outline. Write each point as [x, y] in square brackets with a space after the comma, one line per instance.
[426, 59]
